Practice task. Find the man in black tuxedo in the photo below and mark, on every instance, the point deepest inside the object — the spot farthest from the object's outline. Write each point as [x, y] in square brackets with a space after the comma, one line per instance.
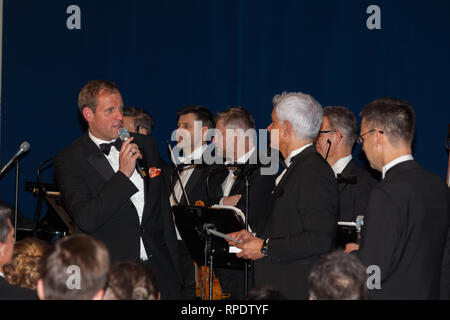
[300, 222]
[335, 142]
[138, 121]
[193, 123]
[8, 291]
[227, 187]
[107, 197]
[235, 141]
[405, 232]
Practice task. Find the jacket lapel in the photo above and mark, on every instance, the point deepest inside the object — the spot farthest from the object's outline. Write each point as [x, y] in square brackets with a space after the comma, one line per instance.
[97, 158]
[278, 190]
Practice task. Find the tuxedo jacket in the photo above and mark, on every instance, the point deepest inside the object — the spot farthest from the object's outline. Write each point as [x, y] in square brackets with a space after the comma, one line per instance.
[98, 199]
[10, 292]
[300, 223]
[354, 197]
[405, 232]
[260, 187]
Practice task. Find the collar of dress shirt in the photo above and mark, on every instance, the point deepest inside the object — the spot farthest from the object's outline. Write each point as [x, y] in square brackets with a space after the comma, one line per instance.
[197, 154]
[2, 275]
[340, 165]
[98, 141]
[295, 152]
[244, 158]
[395, 162]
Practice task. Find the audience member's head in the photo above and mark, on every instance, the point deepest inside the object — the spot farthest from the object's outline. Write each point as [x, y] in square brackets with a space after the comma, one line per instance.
[265, 293]
[138, 121]
[76, 268]
[6, 236]
[188, 119]
[234, 136]
[338, 276]
[337, 134]
[24, 268]
[296, 120]
[387, 130]
[131, 281]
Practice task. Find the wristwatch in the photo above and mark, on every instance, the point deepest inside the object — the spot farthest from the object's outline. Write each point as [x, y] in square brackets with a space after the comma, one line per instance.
[265, 248]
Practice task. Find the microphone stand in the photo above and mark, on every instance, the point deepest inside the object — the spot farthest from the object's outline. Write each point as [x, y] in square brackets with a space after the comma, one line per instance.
[247, 170]
[17, 198]
[246, 265]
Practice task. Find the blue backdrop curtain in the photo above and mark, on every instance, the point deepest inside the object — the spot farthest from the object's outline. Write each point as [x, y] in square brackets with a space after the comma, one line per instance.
[168, 54]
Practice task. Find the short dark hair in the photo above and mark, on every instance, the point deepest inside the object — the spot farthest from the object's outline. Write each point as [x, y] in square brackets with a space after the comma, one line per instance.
[342, 119]
[84, 252]
[88, 96]
[131, 280]
[236, 116]
[141, 118]
[394, 116]
[201, 114]
[5, 228]
[338, 276]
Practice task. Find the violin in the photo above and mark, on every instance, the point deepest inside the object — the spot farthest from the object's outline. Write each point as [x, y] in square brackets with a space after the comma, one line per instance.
[202, 279]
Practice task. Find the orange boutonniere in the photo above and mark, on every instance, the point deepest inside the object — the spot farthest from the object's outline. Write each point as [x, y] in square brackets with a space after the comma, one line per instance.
[153, 172]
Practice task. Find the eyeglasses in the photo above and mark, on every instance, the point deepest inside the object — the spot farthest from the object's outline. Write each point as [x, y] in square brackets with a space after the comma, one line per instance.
[360, 138]
[327, 131]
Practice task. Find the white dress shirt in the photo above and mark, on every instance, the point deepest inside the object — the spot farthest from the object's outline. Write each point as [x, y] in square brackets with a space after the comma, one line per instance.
[185, 175]
[227, 185]
[340, 165]
[395, 162]
[288, 161]
[137, 199]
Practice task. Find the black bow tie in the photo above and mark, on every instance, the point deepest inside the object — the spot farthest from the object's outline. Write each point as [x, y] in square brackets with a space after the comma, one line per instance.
[106, 147]
[346, 180]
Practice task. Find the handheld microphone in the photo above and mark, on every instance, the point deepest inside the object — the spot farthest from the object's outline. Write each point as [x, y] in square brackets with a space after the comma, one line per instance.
[22, 149]
[124, 135]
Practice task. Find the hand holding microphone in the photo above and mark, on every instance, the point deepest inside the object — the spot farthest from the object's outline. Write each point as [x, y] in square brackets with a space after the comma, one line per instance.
[129, 155]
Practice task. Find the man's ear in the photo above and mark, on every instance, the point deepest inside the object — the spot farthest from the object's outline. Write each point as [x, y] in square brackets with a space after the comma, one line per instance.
[88, 114]
[143, 131]
[380, 138]
[287, 128]
[204, 133]
[338, 137]
[40, 289]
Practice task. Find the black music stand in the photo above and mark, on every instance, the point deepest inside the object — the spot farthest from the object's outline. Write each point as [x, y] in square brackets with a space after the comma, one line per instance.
[349, 232]
[193, 223]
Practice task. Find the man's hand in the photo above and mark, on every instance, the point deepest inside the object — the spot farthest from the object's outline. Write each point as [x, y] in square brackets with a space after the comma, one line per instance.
[349, 247]
[242, 236]
[231, 200]
[127, 157]
[250, 246]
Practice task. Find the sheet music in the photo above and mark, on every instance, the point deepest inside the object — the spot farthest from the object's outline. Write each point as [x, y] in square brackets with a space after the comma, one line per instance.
[222, 235]
[346, 224]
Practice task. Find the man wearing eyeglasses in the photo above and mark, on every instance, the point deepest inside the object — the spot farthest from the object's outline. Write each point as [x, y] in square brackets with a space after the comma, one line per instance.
[407, 217]
[334, 142]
